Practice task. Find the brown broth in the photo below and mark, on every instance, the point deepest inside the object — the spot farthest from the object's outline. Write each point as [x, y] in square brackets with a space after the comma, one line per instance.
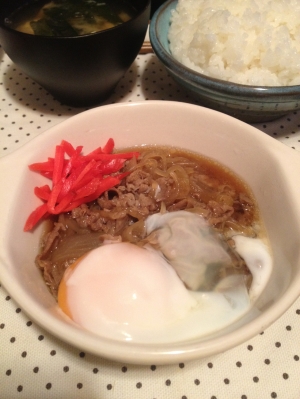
[209, 167]
[221, 197]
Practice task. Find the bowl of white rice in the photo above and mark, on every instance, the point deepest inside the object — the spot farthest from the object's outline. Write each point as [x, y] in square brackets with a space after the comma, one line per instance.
[240, 57]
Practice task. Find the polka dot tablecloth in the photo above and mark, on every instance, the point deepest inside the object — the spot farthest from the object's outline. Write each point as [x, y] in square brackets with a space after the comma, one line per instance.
[34, 364]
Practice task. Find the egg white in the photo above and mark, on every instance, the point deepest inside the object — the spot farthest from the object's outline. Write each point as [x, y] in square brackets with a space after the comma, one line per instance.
[125, 292]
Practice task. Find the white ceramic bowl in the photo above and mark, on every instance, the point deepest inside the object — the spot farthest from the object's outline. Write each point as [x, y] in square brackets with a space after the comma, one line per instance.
[252, 104]
[270, 168]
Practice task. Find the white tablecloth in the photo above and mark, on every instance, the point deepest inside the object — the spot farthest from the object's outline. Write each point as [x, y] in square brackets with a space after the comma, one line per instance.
[34, 364]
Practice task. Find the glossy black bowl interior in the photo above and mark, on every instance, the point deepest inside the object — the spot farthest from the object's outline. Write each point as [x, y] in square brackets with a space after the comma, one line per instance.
[81, 70]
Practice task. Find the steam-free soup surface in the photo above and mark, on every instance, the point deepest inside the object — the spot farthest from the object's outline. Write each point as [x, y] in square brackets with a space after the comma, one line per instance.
[70, 17]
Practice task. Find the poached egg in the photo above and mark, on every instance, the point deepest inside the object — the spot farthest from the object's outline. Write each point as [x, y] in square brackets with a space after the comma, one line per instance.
[126, 292]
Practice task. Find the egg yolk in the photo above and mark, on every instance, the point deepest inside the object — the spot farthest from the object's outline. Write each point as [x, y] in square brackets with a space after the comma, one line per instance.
[62, 289]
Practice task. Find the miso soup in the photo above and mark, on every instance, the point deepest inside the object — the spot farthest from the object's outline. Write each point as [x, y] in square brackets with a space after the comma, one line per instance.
[70, 17]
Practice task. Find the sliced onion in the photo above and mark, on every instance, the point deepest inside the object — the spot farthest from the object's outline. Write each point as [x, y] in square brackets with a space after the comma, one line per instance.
[135, 232]
[182, 179]
[74, 246]
[199, 211]
[231, 228]
[72, 226]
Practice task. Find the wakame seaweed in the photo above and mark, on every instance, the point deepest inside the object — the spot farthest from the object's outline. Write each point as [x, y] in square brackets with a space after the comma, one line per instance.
[71, 17]
[86, 9]
[53, 27]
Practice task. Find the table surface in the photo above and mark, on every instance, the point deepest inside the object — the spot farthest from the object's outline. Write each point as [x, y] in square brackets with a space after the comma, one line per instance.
[34, 364]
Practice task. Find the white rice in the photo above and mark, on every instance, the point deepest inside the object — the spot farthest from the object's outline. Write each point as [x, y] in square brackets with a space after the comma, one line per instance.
[252, 42]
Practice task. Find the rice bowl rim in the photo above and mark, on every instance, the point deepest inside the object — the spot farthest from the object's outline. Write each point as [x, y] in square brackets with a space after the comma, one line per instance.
[198, 79]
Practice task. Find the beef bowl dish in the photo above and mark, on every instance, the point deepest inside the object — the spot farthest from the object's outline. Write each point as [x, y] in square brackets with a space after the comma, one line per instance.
[167, 229]
[78, 51]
